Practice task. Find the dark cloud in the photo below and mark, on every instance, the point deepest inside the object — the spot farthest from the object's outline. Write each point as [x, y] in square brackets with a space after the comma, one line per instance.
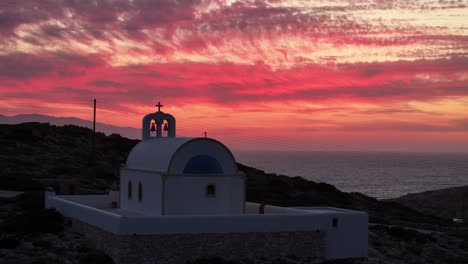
[393, 111]
[22, 66]
[14, 13]
[105, 83]
[458, 125]
[444, 66]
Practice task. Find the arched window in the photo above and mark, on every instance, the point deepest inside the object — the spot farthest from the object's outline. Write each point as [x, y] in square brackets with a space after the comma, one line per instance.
[129, 190]
[210, 190]
[165, 127]
[140, 192]
[203, 164]
[153, 128]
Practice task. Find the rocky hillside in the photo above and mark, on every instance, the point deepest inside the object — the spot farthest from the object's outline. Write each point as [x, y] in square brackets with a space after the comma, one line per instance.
[36, 155]
[446, 203]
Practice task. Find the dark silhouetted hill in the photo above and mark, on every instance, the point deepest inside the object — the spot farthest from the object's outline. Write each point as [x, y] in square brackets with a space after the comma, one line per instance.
[36, 155]
[445, 203]
[128, 132]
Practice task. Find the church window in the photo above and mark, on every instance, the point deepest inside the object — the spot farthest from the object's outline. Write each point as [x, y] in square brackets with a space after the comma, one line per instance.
[203, 164]
[129, 190]
[335, 222]
[140, 192]
[210, 190]
[153, 128]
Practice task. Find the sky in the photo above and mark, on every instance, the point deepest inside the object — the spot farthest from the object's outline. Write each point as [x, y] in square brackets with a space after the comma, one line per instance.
[383, 75]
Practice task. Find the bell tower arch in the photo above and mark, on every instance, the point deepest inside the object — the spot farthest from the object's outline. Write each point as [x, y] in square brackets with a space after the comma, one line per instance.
[159, 117]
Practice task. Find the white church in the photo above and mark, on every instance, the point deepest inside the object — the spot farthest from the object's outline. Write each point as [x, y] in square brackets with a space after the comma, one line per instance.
[184, 198]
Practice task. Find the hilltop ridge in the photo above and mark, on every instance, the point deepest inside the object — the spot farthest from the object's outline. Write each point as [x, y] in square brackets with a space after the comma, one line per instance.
[128, 132]
[36, 155]
[39, 154]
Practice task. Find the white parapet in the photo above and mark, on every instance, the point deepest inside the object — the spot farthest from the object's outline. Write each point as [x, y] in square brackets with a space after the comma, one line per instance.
[346, 231]
[49, 193]
[114, 196]
[86, 208]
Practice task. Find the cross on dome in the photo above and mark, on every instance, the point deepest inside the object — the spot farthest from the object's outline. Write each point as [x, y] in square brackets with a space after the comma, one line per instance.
[159, 105]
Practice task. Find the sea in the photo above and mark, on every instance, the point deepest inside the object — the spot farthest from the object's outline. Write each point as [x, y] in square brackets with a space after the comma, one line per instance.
[381, 175]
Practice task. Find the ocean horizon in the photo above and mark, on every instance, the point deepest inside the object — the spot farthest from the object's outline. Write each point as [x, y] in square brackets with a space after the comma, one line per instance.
[381, 175]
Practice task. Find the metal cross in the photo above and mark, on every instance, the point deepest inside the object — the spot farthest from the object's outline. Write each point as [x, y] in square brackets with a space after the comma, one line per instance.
[159, 105]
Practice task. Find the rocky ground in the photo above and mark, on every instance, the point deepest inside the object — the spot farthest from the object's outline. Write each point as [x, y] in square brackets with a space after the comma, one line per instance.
[446, 203]
[30, 234]
[411, 229]
[68, 247]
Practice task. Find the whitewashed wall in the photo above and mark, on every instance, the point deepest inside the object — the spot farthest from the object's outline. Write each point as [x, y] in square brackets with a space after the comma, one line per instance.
[88, 214]
[97, 201]
[151, 204]
[254, 208]
[348, 239]
[221, 224]
[185, 195]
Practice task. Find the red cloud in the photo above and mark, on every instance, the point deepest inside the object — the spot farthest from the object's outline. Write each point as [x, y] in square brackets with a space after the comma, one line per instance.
[231, 84]
[254, 54]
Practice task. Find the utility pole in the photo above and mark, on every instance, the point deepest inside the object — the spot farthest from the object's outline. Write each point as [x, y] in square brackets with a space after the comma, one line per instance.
[93, 142]
[94, 117]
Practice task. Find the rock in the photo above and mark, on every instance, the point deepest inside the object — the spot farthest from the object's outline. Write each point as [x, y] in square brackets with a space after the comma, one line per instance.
[447, 203]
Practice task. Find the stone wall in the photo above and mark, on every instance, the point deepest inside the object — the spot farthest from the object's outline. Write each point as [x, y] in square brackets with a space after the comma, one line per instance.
[180, 248]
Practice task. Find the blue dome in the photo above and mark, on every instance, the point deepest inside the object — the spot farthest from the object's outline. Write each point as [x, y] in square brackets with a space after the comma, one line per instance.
[203, 164]
[177, 156]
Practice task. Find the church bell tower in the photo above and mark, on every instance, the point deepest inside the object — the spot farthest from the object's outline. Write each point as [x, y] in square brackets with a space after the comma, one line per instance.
[154, 123]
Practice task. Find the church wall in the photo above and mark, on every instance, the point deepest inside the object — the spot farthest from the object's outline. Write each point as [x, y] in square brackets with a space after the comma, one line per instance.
[255, 208]
[350, 238]
[236, 194]
[347, 231]
[184, 224]
[187, 195]
[151, 203]
[180, 248]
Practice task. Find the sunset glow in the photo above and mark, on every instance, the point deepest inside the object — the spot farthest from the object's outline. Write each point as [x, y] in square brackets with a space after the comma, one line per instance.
[304, 75]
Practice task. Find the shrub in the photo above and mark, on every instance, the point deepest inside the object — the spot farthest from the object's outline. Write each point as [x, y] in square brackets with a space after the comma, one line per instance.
[35, 221]
[31, 200]
[39, 261]
[96, 257]
[18, 182]
[212, 260]
[42, 243]
[9, 243]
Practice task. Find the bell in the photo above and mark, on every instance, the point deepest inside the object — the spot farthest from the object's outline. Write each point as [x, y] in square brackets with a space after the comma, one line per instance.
[153, 128]
[165, 127]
